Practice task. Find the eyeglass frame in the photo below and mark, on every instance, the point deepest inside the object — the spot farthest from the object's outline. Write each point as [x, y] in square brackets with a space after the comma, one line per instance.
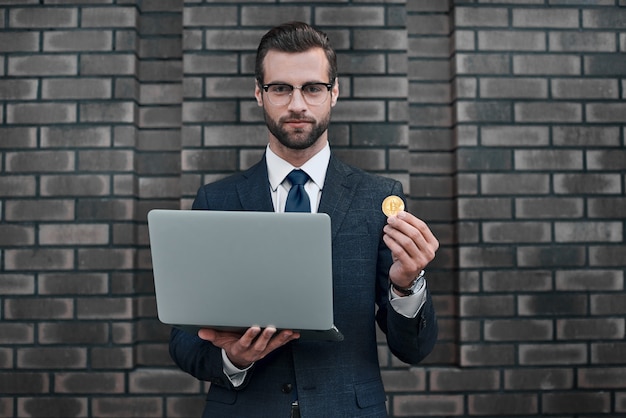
[329, 86]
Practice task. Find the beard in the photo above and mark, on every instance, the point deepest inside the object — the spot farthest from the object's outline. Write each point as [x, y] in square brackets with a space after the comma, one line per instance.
[299, 139]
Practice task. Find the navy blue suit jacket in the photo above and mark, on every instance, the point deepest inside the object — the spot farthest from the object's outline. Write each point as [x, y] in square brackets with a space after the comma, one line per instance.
[333, 379]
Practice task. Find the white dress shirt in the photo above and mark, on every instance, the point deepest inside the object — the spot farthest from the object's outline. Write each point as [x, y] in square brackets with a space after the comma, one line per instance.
[277, 170]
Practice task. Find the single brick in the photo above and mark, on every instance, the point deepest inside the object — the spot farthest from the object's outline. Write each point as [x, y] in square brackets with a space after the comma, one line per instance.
[17, 284]
[582, 136]
[590, 280]
[500, 40]
[34, 161]
[552, 256]
[514, 136]
[42, 65]
[545, 17]
[52, 407]
[75, 136]
[16, 185]
[120, 112]
[105, 160]
[481, 17]
[72, 283]
[484, 112]
[548, 160]
[552, 304]
[16, 235]
[607, 255]
[551, 354]
[41, 113]
[487, 63]
[517, 281]
[116, 17]
[70, 332]
[114, 407]
[112, 358]
[547, 64]
[102, 259]
[538, 379]
[76, 88]
[74, 41]
[455, 380]
[390, 39]
[605, 65]
[268, 15]
[89, 382]
[161, 380]
[42, 210]
[576, 402]
[107, 64]
[43, 17]
[19, 382]
[590, 329]
[509, 404]
[582, 41]
[487, 306]
[442, 405]
[16, 333]
[18, 89]
[566, 88]
[485, 208]
[608, 353]
[607, 304]
[19, 42]
[605, 112]
[79, 185]
[516, 232]
[610, 207]
[199, 15]
[559, 112]
[518, 88]
[508, 184]
[75, 234]
[588, 231]
[487, 355]
[407, 380]
[587, 183]
[38, 259]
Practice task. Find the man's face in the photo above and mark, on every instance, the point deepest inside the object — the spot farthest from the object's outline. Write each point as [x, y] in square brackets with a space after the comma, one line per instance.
[296, 125]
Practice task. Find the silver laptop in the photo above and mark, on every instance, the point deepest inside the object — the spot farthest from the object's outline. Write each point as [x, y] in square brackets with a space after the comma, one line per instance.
[232, 270]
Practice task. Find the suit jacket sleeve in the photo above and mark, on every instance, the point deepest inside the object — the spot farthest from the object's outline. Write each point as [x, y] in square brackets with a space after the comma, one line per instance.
[409, 339]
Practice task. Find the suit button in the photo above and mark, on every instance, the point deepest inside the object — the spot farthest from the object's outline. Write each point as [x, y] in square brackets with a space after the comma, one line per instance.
[287, 388]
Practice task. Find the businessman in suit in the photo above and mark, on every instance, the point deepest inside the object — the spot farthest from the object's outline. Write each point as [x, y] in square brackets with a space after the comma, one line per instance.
[378, 261]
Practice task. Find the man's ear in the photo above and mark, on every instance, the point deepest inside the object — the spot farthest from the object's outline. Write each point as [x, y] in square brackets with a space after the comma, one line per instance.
[334, 92]
[258, 94]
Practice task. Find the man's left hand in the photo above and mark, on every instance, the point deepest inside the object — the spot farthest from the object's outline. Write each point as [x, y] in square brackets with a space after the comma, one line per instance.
[412, 246]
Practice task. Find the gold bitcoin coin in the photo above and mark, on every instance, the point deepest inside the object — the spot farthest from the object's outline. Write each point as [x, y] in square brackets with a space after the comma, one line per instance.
[392, 205]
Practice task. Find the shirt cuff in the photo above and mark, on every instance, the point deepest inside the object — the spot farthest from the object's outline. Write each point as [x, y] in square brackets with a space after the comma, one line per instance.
[408, 306]
[234, 374]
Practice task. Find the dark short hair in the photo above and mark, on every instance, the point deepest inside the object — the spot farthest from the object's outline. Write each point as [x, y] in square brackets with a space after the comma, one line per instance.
[295, 37]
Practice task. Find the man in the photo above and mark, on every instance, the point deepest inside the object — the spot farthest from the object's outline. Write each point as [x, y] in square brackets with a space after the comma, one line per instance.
[377, 260]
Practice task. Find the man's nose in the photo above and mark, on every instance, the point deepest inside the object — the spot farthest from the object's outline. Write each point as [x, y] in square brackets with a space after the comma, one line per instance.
[297, 100]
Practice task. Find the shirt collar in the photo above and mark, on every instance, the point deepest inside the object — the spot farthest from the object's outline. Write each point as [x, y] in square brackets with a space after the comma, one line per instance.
[315, 167]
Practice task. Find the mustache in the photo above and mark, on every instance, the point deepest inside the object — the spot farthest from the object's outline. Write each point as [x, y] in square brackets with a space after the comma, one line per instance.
[296, 117]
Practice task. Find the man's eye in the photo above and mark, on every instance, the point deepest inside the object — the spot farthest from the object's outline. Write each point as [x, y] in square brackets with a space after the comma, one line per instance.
[280, 88]
[313, 88]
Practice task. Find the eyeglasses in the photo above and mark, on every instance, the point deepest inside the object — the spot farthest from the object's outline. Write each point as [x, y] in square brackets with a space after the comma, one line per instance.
[314, 94]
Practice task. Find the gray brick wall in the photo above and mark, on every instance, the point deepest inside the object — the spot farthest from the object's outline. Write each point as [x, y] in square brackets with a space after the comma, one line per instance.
[503, 120]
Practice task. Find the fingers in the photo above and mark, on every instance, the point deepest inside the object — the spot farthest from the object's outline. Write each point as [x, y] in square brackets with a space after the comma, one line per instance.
[411, 242]
[250, 347]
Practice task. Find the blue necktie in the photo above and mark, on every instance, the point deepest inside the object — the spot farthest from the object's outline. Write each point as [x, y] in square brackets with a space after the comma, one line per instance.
[298, 199]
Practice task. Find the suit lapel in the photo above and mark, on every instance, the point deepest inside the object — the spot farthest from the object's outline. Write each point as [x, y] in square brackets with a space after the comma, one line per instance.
[339, 189]
[254, 192]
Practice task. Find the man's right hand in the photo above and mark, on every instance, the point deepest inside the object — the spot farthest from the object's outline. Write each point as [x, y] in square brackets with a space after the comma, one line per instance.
[253, 345]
